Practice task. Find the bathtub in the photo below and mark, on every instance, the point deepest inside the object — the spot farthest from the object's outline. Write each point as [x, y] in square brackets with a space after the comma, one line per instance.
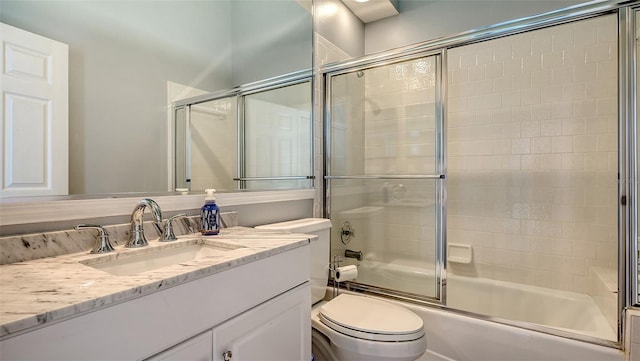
[453, 336]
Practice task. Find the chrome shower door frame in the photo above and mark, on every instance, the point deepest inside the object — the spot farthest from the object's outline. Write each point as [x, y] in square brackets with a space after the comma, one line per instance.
[440, 161]
[627, 144]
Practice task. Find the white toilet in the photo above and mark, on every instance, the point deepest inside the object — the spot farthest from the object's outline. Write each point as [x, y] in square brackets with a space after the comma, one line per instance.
[349, 327]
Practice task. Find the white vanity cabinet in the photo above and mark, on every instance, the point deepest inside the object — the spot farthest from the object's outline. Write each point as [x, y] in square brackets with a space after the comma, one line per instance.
[197, 348]
[258, 311]
[277, 330]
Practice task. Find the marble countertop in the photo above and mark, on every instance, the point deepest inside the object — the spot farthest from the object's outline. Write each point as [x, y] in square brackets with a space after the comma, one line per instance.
[34, 293]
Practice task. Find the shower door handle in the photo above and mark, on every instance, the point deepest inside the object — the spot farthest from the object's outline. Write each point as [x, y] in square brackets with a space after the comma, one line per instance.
[383, 176]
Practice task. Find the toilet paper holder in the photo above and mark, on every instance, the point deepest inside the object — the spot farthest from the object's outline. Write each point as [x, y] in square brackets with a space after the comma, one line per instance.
[340, 274]
[333, 266]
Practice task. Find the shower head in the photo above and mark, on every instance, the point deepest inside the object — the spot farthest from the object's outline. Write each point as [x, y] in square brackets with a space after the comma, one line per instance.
[360, 73]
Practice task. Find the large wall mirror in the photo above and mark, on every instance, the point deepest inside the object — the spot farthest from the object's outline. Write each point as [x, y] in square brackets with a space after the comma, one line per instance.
[130, 59]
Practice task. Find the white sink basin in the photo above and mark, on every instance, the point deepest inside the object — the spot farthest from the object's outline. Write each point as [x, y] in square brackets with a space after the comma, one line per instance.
[147, 259]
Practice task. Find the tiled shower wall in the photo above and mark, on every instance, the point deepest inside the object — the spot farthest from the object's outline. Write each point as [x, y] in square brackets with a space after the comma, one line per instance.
[531, 150]
[532, 154]
[382, 123]
[400, 117]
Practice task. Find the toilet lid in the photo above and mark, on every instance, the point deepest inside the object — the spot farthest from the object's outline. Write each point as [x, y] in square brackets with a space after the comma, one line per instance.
[371, 319]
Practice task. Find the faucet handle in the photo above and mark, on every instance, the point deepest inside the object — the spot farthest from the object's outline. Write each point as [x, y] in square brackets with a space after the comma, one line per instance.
[167, 233]
[102, 244]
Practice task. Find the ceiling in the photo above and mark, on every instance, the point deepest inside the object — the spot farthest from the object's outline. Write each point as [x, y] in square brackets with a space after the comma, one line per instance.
[372, 10]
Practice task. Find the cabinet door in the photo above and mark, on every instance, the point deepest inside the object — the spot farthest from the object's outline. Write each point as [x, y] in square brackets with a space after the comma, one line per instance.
[197, 348]
[278, 330]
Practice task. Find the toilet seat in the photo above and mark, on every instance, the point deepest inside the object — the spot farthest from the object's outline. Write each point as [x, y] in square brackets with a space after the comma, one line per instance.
[370, 319]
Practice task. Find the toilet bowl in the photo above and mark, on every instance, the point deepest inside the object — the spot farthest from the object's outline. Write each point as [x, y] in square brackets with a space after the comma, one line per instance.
[364, 328]
[353, 327]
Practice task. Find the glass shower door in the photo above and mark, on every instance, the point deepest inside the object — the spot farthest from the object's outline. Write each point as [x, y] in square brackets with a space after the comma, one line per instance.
[383, 174]
[532, 181]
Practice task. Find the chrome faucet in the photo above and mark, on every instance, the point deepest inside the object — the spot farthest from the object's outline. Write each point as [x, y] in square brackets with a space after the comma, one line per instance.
[136, 234]
[102, 245]
[167, 234]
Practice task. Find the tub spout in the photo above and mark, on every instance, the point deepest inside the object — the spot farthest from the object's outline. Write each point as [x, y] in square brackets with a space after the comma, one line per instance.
[353, 254]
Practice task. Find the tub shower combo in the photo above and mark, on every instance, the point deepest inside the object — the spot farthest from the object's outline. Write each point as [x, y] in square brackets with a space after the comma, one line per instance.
[479, 173]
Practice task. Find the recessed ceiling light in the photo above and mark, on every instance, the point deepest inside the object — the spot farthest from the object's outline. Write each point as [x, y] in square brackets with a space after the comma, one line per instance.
[327, 9]
[371, 10]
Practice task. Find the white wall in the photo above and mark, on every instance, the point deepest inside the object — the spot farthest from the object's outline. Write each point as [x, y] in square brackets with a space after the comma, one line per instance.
[421, 20]
[338, 26]
[269, 38]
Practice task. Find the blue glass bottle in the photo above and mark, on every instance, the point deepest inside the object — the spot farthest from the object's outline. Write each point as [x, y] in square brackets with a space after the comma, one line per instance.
[210, 215]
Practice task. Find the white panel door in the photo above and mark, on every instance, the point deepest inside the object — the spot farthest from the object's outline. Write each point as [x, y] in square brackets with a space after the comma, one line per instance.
[35, 114]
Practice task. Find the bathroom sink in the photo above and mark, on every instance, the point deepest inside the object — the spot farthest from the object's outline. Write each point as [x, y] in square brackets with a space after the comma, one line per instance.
[146, 259]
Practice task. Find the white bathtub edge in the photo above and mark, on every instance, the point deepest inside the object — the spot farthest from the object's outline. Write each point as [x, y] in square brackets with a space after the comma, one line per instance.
[455, 337]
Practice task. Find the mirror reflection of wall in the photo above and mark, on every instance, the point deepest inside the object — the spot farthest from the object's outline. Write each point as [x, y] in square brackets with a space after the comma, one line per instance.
[124, 54]
[270, 38]
[339, 34]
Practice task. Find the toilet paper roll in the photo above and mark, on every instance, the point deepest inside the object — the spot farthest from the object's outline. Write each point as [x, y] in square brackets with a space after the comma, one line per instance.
[346, 273]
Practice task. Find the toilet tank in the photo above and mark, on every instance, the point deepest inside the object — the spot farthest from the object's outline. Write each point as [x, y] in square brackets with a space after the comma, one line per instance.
[319, 262]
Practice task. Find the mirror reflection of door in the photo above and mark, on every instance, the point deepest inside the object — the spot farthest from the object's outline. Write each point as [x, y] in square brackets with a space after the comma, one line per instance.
[34, 151]
[277, 138]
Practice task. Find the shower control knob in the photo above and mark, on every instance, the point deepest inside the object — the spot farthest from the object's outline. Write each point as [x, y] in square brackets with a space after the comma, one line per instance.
[346, 232]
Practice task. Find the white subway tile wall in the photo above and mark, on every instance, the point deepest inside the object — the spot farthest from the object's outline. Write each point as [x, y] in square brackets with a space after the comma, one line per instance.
[399, 138]
[383, 123]
[532, 154]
